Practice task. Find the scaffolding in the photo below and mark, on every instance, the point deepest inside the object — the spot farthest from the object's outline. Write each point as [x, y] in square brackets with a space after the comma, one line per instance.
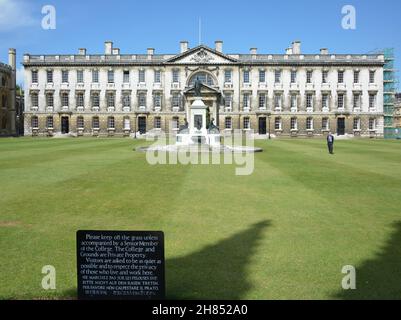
[389, 91]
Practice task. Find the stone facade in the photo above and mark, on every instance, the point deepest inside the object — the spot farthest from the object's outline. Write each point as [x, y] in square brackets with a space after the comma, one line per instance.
[7, 96]
[291, 94]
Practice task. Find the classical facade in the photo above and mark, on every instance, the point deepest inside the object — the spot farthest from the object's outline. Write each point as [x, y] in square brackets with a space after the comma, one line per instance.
[7, 96]
[290, 94]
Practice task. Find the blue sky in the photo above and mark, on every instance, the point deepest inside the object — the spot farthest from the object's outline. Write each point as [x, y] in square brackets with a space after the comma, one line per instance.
[135, 25]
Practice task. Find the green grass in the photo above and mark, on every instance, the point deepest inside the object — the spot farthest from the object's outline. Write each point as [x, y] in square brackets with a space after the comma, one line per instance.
[284, 232]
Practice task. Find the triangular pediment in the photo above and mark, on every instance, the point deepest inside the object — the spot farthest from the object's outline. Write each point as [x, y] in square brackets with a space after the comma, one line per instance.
[201, 55]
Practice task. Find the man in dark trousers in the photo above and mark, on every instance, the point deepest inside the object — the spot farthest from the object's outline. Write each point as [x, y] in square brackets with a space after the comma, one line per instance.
[330, 142]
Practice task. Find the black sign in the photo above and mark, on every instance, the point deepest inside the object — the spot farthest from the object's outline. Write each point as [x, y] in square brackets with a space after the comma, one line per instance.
[120, 265]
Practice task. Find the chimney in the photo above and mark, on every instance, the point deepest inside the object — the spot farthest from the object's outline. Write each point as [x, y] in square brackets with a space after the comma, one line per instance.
[296, 47]
[116, 51]
[150, 51]
[183, 46]
[253, 51]
[82, 51]
[218, 44]
[324, 51]
[288, 51]
[108, 47]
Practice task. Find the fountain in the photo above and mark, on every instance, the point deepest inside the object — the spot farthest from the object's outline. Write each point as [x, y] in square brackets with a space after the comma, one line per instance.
[196, 136]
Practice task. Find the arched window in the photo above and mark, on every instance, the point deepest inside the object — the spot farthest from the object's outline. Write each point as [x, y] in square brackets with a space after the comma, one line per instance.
[204, 77]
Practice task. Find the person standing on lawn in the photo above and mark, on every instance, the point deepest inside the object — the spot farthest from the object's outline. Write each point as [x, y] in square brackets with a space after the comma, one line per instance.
[330, 142]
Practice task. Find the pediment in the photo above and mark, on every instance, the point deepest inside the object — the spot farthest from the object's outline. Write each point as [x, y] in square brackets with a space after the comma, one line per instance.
[201, 55]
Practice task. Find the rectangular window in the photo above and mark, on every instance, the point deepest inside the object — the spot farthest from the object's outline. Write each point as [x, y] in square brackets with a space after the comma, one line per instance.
[49, 75]
[227, 123]
[356, 76]
[293, 102]
[357, 124]
[325, 101]
[176, 123]
[176, 100]
[245, 101]
[64, 76]
[277, 123]
[110, 123]
[372, 101]
[158, 123]
[142, 100]
[293, 124]
[357, 100]
[34, 76]
[277, 101]
[141, 78]
[80, 99]
[340, 101]
[127, 123]
[325, 124]
[126, 100]
[157, 76]
[35, 122]
[372, 124]
[35, 100]
[277, 76]
[157, 98]
[293, 76]
[111, 100]
[247, 124]
[325, 74]
[227, 76]
[309, 76]
[246, 76]
[64, 99]
[176, 76]
[80, 76]
[309, 123]
[309, 102]
[110, 76]
[340, 76]
[95, 123]
[262, 101]
[126, 76]
[80, 122]
[49, 122]
[228, 101]
[50, 100]
[262, 76]
[95, 100]
[95, 76]
[372, 74]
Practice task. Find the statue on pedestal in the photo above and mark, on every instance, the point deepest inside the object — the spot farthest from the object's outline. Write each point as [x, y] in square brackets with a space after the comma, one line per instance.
[197, 87]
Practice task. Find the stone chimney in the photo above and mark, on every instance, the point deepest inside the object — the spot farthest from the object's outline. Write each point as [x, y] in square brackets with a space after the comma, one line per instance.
[324, 51]
[218, 45]
[108, 47]
[296, 47]
[151, 51]
[288, 51]
[116, 51]
[183, 46]
[253, 51]
[82, 51]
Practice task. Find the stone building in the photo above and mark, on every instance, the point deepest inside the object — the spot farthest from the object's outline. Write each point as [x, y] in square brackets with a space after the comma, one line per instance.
[290, 94]
[7, 95]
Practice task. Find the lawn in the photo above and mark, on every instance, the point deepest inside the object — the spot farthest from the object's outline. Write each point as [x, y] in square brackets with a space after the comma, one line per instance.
[284, 232]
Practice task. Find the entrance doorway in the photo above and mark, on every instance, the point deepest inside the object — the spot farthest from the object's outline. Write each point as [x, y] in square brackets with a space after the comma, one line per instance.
[262, 125]
[341, 126]
[142, 125]
[65, 125]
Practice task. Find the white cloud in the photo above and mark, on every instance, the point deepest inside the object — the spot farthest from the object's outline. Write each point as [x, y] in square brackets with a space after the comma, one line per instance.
[15, 14]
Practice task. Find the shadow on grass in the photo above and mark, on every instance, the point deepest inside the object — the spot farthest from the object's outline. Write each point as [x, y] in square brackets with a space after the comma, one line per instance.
[217, 271]
[380, 277]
